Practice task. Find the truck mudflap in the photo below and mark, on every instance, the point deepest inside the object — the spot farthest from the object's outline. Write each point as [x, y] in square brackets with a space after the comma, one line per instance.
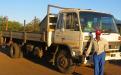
[78, 60]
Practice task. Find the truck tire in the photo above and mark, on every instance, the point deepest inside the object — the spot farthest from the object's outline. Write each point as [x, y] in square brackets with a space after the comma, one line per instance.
[1, 40]
[64, 62]
[38, 52]
[14, 51]
[21, 53]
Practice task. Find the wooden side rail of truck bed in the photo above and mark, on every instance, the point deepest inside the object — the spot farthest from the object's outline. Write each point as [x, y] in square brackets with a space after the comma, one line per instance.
[24, 35]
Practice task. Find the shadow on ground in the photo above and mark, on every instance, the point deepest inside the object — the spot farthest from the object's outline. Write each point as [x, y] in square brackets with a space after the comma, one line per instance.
[75, 73]
[5, 51]
[36, 60]
[115, 62]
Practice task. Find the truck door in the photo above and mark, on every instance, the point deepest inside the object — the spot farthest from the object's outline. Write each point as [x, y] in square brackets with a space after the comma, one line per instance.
[67, 31]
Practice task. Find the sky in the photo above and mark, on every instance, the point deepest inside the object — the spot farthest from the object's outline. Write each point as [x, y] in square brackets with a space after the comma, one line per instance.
[20, 10]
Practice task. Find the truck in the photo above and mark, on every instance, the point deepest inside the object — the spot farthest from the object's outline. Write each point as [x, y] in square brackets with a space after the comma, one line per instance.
[64, 36]
[118, 23]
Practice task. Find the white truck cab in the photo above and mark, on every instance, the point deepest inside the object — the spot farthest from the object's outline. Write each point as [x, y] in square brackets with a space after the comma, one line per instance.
[74, 27]
[69, 32]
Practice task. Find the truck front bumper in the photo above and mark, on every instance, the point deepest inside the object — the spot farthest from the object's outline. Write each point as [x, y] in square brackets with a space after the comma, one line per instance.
[113, 56]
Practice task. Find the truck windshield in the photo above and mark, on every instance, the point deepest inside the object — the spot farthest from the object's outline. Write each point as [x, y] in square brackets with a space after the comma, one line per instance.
[90, 21]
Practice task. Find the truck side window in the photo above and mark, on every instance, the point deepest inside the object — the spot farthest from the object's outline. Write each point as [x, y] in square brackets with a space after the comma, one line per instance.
[60, 22]
[72, 21]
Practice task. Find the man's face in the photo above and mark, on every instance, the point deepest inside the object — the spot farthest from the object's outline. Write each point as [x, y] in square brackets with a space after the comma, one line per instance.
[97, 35]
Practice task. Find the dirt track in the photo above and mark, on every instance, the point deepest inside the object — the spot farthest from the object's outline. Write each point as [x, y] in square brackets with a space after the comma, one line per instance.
[25, 66]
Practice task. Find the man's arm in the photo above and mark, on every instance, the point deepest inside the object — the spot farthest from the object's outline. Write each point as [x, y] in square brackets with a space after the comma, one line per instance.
[89, 48]
[106, 46]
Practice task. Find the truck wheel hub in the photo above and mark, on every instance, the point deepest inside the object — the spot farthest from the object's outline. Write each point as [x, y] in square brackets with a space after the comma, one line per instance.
[63, 62]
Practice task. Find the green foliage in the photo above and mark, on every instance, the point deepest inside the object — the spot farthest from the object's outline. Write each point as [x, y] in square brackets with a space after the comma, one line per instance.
[11, 25]
[33, 26]
[14, 26]
[1, 18]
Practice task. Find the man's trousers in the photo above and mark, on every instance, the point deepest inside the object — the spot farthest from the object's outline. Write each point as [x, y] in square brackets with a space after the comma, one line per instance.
[99, 61]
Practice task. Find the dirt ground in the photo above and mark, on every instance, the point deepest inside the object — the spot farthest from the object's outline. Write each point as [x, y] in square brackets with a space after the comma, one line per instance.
[25, 66]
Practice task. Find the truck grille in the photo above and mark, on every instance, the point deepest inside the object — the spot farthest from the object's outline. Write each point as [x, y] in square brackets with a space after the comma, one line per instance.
[114, 45]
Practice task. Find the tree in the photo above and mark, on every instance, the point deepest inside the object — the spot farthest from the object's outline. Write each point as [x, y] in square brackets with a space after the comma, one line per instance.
[11, 25]
[1, 22]
[14, 26]
[33, 26]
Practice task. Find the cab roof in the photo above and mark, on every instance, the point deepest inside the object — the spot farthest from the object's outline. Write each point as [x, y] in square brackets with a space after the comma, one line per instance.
[80, 10]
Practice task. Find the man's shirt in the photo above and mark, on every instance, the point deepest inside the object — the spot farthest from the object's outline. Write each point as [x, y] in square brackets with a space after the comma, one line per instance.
[98, 46]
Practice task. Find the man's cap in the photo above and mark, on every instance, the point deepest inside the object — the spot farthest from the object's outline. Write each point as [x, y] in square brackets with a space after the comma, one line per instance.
[98, 32]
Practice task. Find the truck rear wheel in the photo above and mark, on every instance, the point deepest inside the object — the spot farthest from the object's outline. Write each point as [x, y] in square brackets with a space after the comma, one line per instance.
[14, 50]
[64, 62]
[38, 52]
[1, 40]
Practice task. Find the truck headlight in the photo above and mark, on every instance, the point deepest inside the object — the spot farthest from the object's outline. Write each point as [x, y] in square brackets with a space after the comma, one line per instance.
[119, 38]
[73, 53]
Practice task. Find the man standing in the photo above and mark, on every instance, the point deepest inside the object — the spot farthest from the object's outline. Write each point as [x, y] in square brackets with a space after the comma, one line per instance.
[100, 46]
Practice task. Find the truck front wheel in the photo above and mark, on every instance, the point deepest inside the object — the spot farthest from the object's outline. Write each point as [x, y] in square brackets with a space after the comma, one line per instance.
[64, 62]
